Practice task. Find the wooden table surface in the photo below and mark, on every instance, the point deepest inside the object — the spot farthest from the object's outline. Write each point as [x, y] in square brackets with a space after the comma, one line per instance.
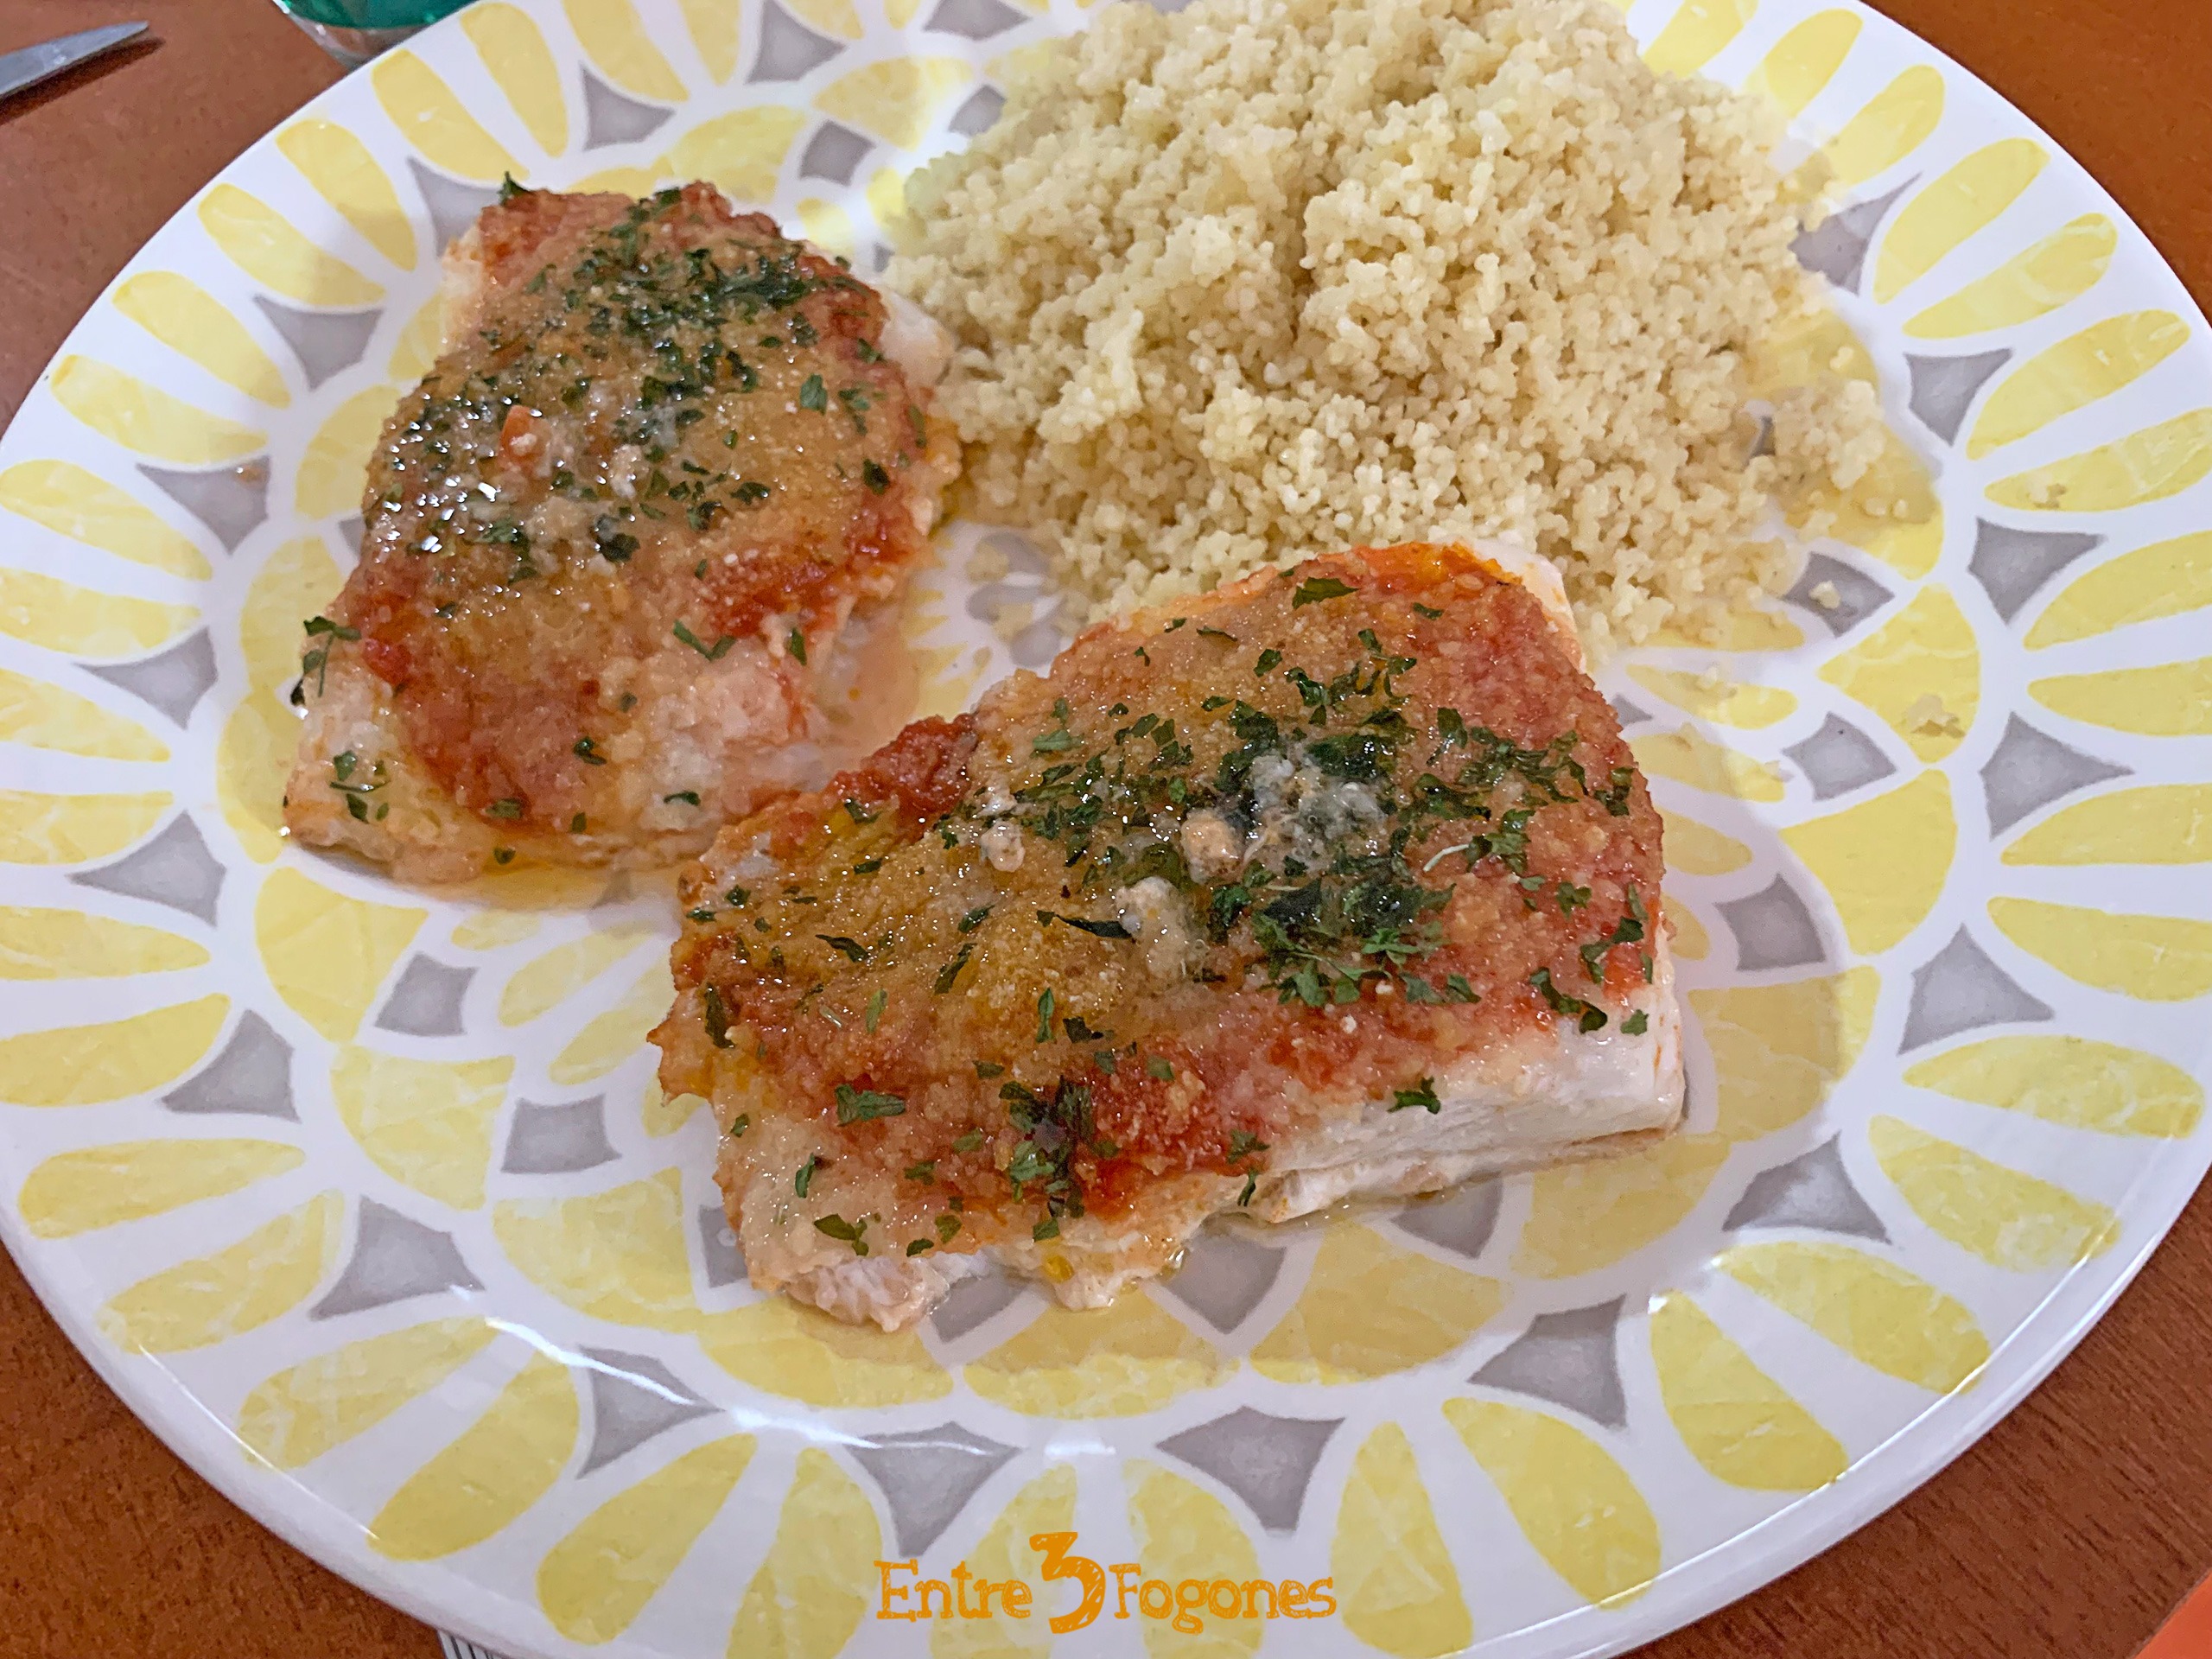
[2070, 1530]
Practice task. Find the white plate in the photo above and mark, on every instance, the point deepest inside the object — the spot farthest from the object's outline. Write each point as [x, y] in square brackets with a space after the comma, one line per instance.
[367, 1203]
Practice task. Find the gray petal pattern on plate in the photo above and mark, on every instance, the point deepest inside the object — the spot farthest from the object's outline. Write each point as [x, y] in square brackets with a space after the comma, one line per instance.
[833, 153]
[2011, 564]
[1857, 595]
[1773, 929]
[426, 1002]
[633, 1397]
[395, 1257]
[1567, 1359]
[1460, 1221]
[789, 50]
[974, 117]
[612, 118]
[927, 1476]
[1944, 388]
[1223, 1277]
[1960, 988]
[553, 1140]
[971, 1301]
[718, 1247]
[173, 681]
[324, 341]
[1811, 1190]
[232, 501]
[454, 206]
[2030, 769]
[253, 1074]
[1266, 1461]
[175, 868]
[976, 19]
[1628, 712]
[1838, 759]
[1837, 248]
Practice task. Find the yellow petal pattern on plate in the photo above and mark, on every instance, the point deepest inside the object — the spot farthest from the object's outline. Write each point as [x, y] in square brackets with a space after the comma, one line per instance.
[612, 33]
[1693, 34]
[100, 1187]
[213, 1297]
[1948, 212]
[1182, 1531]
[809, 1593]
[739, 153]
[72, 828]
[1394, 1582]
[1778, 1049]
[269, 248]
[514, 51]
[629, 181]
[144, 419]
[86, 508]
[1696, 849]
[1884, 861]
[1920, 671]
[827, 225]
[1735, 1419]
[897, 100]
[2172, 700]
[418, 344]
[662, 1115]
[43, 717]
[1729, 702]
[713, 25]
[2157, 958]
[72, 944]
[1574, 1504]
[1881, 1315]
[2164, 579]
[2065, 263]
[1803, 349]
[490, 929]
[426, 1123]
[2163, 823]
[252, 760]
[345, 174]
[436, 122]
[189, 320]
[83, 1065]
[2008, 1218]
[1584, 1217]
[900, 13]
[301, 1413]
[1369, 1308]
[782, 1348]
[617, 1255]
[2147, 466]
[886, 204]
[1804, 60]
[1691, 942]
[327, 955]
[838, 17]
[294, 583]
[610, 1039]
[81, 622]
[565, 969]
[1045, 1504]
[1745, 628]
[1689, 757]
[1887, 129]
[495, 1468]
[1111, 1361]
[1890, 511]
[598, 1578]
[333, 472]
[2074, 374]
[2075, 1081]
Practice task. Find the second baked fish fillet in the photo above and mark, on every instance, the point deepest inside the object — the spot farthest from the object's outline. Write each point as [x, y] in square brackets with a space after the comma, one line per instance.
[1336, 882]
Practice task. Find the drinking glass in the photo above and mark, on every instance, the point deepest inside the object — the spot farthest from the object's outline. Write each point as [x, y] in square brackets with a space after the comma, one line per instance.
[353, 31]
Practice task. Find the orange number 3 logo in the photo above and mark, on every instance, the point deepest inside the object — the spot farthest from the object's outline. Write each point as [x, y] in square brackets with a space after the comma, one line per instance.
[1059, 1564]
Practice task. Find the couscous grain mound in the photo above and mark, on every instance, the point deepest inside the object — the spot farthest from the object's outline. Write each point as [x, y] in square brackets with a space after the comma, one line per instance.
[1265, 277]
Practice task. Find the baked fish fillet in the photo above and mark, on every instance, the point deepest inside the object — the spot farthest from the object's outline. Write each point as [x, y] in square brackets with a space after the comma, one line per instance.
[1339, 881]
[628, 550]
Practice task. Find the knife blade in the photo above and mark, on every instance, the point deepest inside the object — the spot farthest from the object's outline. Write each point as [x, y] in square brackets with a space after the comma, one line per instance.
[32, 64]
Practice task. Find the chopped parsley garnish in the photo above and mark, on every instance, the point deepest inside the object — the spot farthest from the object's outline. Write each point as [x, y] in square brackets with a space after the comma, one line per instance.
[973, 1140]
[715, 1016]
[506, 807]
[713, 653]
[874, 1011]
[1159, 1070]
[857, 810]
[796, 645]
[588, 752]
[844, 946]
[1314, 589]
[577, 824]
[1636, 1023]
[689, 796]
[1048, 1228]
[1587, 1015]
[1110, 928]
[805, 1179]
[1045, 1016]
[317, 662]
[849, 1232]
[951, 972]
[863, 1105]
[1422, 1094]
[874, 477]
[814, 395]
[974, 919]
[924, 1172]
[1267, 661]
[1428, 611]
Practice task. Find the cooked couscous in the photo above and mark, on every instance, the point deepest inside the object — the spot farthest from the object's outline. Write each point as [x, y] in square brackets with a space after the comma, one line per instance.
[1265, 277]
